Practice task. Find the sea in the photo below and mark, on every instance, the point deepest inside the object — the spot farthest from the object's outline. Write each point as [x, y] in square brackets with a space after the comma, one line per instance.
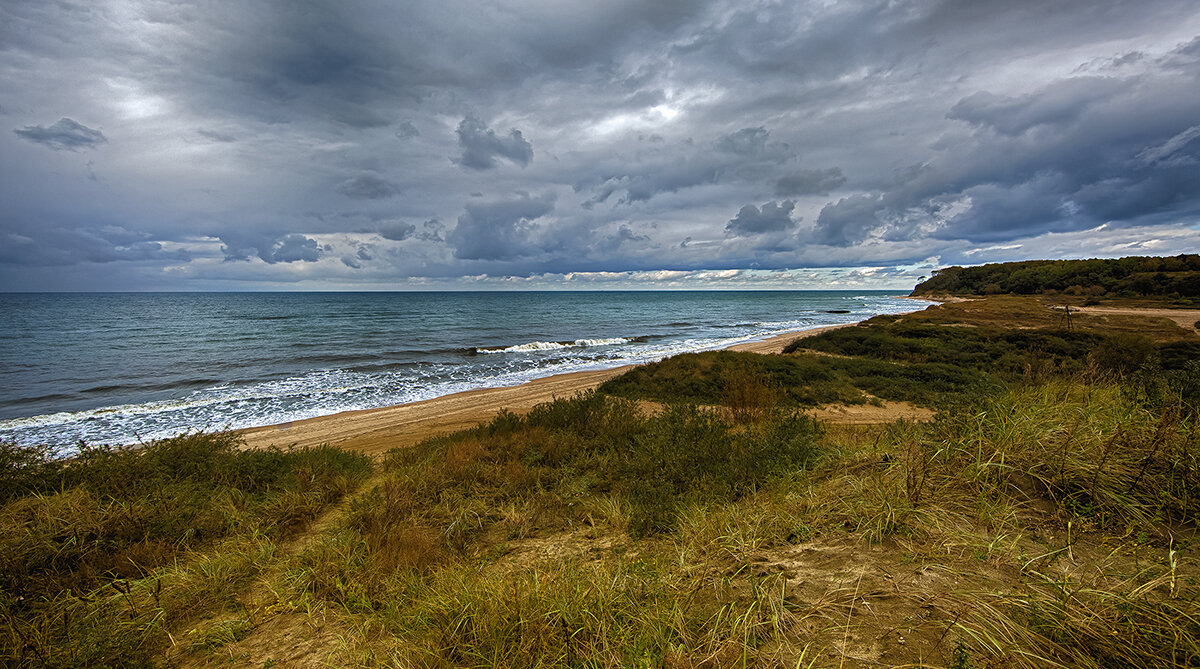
[127, 368]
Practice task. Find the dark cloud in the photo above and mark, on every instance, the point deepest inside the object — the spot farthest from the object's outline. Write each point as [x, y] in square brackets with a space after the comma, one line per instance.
[810, 182]
[772, 217]
[295, 248]
[1069, 156]
[407, 130]
[69, 246]
[742, 157]
[656, 179]
[499, 230]
[849, 220]
[1056, 105]
[253, 130]
[623, 236]
[66, 134]
[481, 146]
[367, 187]
[241, 246]
[397, 231]
[431, 231]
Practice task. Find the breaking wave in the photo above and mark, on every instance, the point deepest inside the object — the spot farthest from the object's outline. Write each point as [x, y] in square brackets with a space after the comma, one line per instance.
[535, 346]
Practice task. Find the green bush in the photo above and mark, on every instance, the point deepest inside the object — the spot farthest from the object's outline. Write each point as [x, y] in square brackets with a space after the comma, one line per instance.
[1124, 354]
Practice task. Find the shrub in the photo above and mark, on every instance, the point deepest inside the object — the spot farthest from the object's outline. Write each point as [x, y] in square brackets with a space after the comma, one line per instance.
[691, 452]
[1123, 354]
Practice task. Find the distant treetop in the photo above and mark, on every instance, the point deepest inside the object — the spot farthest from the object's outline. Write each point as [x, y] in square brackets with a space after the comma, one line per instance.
[1176, 277]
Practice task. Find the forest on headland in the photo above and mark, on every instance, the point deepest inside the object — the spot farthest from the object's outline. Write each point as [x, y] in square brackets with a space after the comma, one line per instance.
[1037, 508]
[1176, 278]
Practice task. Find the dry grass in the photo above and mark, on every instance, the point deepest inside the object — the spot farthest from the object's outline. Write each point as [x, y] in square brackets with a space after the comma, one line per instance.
[1050, 523]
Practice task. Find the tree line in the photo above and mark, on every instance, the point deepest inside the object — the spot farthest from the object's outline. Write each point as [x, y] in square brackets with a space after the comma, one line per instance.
[1176, 277]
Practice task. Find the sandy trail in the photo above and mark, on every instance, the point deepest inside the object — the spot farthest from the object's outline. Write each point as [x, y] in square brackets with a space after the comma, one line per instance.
[374, 431]
[1186, 318]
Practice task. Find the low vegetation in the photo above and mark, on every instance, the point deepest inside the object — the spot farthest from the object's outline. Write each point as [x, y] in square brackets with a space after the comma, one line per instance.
[1177, 278]
[687, 514]
[1003, 353]
[106, 552]
[1046, 526]
[793, 381]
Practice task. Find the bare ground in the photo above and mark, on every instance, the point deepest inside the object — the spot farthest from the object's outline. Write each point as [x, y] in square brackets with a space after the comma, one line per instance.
[1186, 318]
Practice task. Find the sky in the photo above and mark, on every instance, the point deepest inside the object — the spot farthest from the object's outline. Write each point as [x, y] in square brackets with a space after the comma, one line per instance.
[552, 144]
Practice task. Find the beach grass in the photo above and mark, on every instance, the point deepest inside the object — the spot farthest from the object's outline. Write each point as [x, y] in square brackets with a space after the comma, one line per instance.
[687, 514]
[1018, 551]
[106, 552]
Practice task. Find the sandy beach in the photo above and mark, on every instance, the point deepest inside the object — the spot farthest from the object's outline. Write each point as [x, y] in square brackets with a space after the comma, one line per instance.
[374, 431]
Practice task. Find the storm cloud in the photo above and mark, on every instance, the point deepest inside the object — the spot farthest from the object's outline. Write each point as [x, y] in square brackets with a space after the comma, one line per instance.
[772, 217]
[499, 230]
[810, 182]
[329, 145]
[65, 134]
[481, 146]
[285, 249]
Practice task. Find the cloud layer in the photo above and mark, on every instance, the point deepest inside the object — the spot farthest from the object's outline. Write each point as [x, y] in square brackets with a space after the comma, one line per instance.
[216, 145]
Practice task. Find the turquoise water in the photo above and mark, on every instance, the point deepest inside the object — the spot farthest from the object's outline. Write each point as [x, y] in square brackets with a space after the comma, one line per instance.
[128, 367]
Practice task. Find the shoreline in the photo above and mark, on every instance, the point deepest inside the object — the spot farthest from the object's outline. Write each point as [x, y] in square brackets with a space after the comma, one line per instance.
[375, 431]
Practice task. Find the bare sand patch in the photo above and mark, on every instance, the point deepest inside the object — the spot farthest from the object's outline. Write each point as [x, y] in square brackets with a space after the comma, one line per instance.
[869, 414]
[1186, 318]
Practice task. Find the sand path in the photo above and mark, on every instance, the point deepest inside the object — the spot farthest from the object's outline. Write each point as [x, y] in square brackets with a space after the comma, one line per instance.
[374, 431]
[1186, 318]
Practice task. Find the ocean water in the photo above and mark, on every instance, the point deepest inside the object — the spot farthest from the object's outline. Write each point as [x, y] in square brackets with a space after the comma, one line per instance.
[129, 367]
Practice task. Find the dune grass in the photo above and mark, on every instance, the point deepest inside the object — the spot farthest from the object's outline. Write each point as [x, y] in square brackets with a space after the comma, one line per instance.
[105, 553]
[1045, 518]
[796, 381]
[589, 534]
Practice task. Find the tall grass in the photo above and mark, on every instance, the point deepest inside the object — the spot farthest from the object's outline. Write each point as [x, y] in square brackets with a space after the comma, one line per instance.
[614, 613]
[106, 552]
[691, 503]
[1091, 449]
[1066, 459]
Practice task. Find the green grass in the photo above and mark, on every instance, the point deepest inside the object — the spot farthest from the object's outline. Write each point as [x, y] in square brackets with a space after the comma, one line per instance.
[1045, 517]
[797, 381]
[1018, 480]
[1003, 353]
[101, 550]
